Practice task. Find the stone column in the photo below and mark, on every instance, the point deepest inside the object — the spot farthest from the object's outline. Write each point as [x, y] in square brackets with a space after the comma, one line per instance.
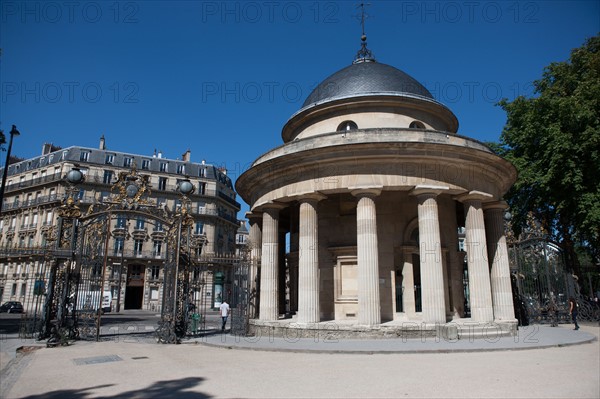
[430, 252]
[255, 237]
[408, 282]
[498, 257]
[292, 258]
[268, 309]
[369, 307]
[479, 272]
[282, 274]
[308, 262]
[458, 289]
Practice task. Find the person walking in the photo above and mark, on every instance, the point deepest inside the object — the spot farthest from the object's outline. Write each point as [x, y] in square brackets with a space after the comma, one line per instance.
[224, 308]
[573, 311]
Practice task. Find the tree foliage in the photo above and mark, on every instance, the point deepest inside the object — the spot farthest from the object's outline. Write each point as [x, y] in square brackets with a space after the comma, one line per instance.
[553, 139]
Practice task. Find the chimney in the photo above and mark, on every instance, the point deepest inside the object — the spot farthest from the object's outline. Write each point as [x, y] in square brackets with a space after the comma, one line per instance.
[46, 148]
[186, 157]
[159, 154]
[102, 143]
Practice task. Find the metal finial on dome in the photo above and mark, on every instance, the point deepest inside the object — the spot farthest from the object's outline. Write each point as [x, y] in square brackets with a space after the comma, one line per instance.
[364, 54]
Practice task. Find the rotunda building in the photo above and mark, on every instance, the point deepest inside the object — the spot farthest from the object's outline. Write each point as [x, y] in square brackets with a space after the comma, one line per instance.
[375, 215]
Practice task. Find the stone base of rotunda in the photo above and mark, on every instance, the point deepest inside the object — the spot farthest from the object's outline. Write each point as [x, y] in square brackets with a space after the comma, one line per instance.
[349, 329]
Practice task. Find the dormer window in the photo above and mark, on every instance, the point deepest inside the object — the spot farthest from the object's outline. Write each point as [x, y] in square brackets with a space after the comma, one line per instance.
[346, 126]
[416, 125]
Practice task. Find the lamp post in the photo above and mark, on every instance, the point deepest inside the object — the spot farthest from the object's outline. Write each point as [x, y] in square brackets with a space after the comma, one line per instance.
[13, 132]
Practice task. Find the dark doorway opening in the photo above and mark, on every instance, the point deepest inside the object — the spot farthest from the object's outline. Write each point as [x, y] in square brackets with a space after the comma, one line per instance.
[134, 297]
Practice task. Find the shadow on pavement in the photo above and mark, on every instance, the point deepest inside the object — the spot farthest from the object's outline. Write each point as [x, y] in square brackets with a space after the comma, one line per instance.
[158, 390]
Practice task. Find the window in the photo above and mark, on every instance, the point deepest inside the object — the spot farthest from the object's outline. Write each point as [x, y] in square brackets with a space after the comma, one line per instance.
[158, 226]
[347, 126]
[110, 159]
[180, 169]
[199, 228]
[23, 289]
[139, 223]
[202, 172]
[121, 221]
[34, 220]
[201, 188]
[163, 166]
[138, 247]
[50, 158]
[13, 290]
[145, 164]
[108, 175]
[127, 162]
[162, 183]
[84, 156]
[118, 246]
[157, 248]
[416, 125]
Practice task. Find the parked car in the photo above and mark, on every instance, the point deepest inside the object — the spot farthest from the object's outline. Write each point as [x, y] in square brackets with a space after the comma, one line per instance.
[12, 307]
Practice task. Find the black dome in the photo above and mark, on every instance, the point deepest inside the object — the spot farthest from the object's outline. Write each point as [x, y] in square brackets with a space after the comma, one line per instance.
[366, 78]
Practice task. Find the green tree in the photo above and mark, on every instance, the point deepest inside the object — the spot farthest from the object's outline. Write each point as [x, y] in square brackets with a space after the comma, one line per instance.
[553, 139]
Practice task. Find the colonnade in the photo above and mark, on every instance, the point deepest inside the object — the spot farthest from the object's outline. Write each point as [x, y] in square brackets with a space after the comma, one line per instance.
[488, 267]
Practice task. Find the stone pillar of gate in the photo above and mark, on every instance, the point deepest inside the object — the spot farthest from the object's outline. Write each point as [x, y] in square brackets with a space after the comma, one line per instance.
[480, 294]
[369, 306]
[408, 281]
[430, 253]
[255, 238]
[268, 308]
[308, 262]
[498, 258]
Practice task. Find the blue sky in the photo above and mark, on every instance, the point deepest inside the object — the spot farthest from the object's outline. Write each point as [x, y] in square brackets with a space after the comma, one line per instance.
[222, 78]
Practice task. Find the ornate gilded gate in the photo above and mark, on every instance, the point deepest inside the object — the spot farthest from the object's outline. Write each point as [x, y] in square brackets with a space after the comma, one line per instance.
[77, 293]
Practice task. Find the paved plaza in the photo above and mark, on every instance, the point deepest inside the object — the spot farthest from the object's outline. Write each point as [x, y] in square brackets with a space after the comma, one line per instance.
[542, 362]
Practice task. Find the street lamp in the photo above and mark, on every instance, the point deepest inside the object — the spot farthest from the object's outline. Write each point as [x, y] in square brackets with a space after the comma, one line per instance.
[13, 132]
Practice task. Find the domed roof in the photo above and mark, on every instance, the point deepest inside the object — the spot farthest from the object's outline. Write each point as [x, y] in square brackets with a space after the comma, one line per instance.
[366, 78]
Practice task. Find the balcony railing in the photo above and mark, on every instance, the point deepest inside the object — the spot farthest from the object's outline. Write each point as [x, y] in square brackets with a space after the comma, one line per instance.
[131, 253]
[18, 251]
[44, 199]
[32, 182]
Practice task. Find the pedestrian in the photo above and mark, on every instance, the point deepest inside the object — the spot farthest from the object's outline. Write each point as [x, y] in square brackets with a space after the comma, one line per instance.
[224, 308]
[573, 311]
